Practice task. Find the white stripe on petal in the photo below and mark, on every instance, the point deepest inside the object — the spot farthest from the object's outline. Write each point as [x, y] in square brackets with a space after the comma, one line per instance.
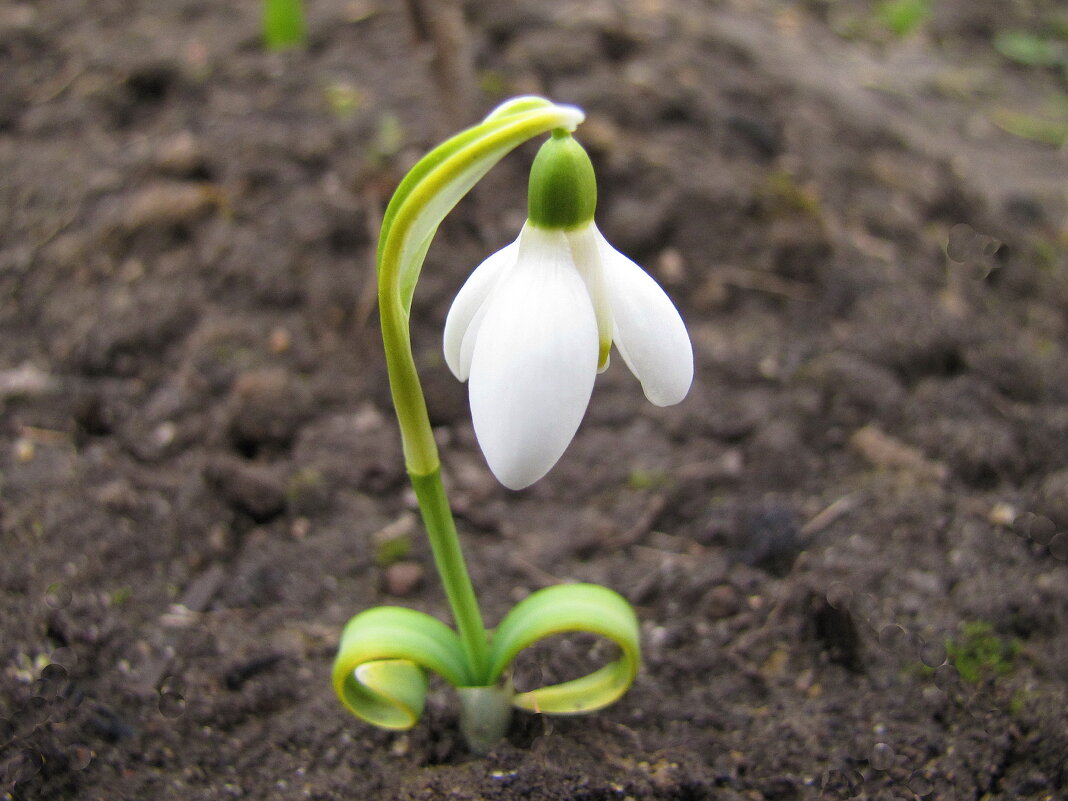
[534, 361]
[649, 333]
[464, 310]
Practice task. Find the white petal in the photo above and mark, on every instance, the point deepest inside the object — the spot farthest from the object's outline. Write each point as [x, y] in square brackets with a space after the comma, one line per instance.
[586, 250]
[649, 332]
[464, 309]
[534, 361]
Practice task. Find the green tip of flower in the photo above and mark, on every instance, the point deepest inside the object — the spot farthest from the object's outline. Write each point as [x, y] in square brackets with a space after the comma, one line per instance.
[563, 187]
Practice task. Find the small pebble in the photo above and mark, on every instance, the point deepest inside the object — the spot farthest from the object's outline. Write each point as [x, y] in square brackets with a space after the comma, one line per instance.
[671, 266]
[24, 450]
[16, 15]
[171, 704]
[267, 407]
[933, 654]
[920, 784]
[79, 756]
[839, 595]
[58, 595]
[250, 487]
[26, 381]
[403, 578]
[1003, 514]
[280, 340]
[180, 156]
[392, 543]
[893, 638]
[882, 756]
[300, 528]
[883, 450]
[165, 204]
[723, 601]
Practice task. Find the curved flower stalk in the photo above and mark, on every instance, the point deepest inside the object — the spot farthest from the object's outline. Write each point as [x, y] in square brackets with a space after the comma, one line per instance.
[534, 323]
[386, 653]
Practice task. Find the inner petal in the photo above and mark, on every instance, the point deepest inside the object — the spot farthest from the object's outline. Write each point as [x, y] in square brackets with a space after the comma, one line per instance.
[585, 250]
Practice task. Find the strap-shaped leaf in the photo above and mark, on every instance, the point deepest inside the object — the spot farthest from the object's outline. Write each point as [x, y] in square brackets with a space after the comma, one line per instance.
[443, 176]
[380, 670]
[571, 608]
[439, 154]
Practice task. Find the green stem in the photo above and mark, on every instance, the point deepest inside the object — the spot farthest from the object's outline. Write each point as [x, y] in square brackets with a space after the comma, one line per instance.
[417, 437]
[445, 544]
[485, 713]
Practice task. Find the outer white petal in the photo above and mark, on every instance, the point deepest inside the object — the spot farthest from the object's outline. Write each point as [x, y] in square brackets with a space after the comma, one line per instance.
[534, 361]
[649, 333]
[464, 310]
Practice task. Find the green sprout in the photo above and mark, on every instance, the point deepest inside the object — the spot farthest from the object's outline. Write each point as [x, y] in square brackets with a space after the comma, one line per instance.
[500, 337]
[979, 652]
[1033, 50]
[902, 17]
[283, 24]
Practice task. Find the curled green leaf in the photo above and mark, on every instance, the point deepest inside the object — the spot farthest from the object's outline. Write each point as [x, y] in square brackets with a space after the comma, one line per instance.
[571, 608]
[380, 670]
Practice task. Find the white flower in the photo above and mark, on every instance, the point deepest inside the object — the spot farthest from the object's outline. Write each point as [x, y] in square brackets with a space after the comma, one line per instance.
[532, 325]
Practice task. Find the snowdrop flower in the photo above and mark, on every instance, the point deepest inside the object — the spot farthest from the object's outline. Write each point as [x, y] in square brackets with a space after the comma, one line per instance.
[534, 323]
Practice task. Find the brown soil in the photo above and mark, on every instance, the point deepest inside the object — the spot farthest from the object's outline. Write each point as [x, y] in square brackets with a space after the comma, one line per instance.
[198, 451]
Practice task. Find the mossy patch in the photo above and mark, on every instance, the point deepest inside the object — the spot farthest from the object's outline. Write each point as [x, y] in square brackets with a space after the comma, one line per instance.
[978, 652]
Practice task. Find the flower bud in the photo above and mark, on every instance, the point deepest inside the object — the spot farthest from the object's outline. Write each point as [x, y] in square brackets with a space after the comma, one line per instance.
[563, 189]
